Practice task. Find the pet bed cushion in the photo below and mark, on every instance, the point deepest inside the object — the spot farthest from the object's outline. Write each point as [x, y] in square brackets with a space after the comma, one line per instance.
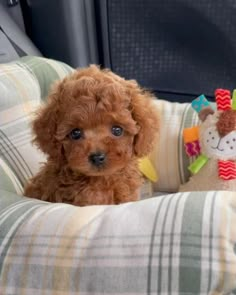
[183, 243]
[169, 156]
[23, 86]
[8, 180]
[25, 83]
[177, 244]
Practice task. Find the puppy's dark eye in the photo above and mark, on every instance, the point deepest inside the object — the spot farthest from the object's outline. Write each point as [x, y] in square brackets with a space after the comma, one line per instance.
[117, 130]
[75, 134]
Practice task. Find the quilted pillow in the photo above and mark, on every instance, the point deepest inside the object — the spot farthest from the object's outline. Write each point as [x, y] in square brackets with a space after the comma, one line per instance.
[23, 86]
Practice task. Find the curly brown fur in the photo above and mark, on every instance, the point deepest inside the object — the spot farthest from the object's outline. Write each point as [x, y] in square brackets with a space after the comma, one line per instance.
[226, 122]
[93, 100]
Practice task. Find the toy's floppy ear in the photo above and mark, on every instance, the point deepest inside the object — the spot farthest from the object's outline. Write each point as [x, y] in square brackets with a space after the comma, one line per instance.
[144, 112]
[45, 125]
[205, 112]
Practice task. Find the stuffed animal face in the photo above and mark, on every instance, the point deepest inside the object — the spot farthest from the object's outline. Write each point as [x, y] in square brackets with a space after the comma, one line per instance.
[214, 142]
[218, 135]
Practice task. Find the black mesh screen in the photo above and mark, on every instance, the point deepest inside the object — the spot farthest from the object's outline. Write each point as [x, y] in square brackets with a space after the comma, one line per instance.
[182, 47]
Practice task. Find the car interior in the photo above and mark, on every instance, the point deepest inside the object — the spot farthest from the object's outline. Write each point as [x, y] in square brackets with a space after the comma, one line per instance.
[177, 50]
[179, 236]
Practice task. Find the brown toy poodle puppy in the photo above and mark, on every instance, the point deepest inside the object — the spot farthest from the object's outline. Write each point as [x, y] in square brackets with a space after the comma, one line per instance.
[94, 127]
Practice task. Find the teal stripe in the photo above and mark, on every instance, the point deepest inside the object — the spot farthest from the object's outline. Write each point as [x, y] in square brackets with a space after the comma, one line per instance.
[190, 267]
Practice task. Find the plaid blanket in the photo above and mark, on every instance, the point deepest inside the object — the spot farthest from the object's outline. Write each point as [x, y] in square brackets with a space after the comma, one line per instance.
[177, 244]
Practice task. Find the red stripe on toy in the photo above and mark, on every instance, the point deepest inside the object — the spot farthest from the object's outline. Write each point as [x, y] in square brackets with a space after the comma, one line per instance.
[227, 169]
[223, 99]
[192, 148]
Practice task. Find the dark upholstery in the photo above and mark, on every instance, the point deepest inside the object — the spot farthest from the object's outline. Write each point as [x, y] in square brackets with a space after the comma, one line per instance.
[178, 48]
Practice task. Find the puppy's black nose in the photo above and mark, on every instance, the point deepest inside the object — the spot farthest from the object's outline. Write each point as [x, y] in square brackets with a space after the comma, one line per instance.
[97, 159]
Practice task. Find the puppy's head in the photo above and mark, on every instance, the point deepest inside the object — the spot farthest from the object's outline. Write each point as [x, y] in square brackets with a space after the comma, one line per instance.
[96, 122]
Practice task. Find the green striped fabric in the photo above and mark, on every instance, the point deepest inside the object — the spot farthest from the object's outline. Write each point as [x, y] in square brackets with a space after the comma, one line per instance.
[183, 243]
[23, 86]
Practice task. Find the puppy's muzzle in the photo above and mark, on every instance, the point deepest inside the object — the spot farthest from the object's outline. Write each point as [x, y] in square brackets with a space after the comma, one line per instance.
[97, 159]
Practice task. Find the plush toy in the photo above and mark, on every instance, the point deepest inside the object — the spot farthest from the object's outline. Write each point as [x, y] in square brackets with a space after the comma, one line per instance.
[149, 175]
[214, 144]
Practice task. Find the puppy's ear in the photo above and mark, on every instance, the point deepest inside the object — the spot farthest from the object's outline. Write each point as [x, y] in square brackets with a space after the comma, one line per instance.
[145, 113]
[45, 125]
